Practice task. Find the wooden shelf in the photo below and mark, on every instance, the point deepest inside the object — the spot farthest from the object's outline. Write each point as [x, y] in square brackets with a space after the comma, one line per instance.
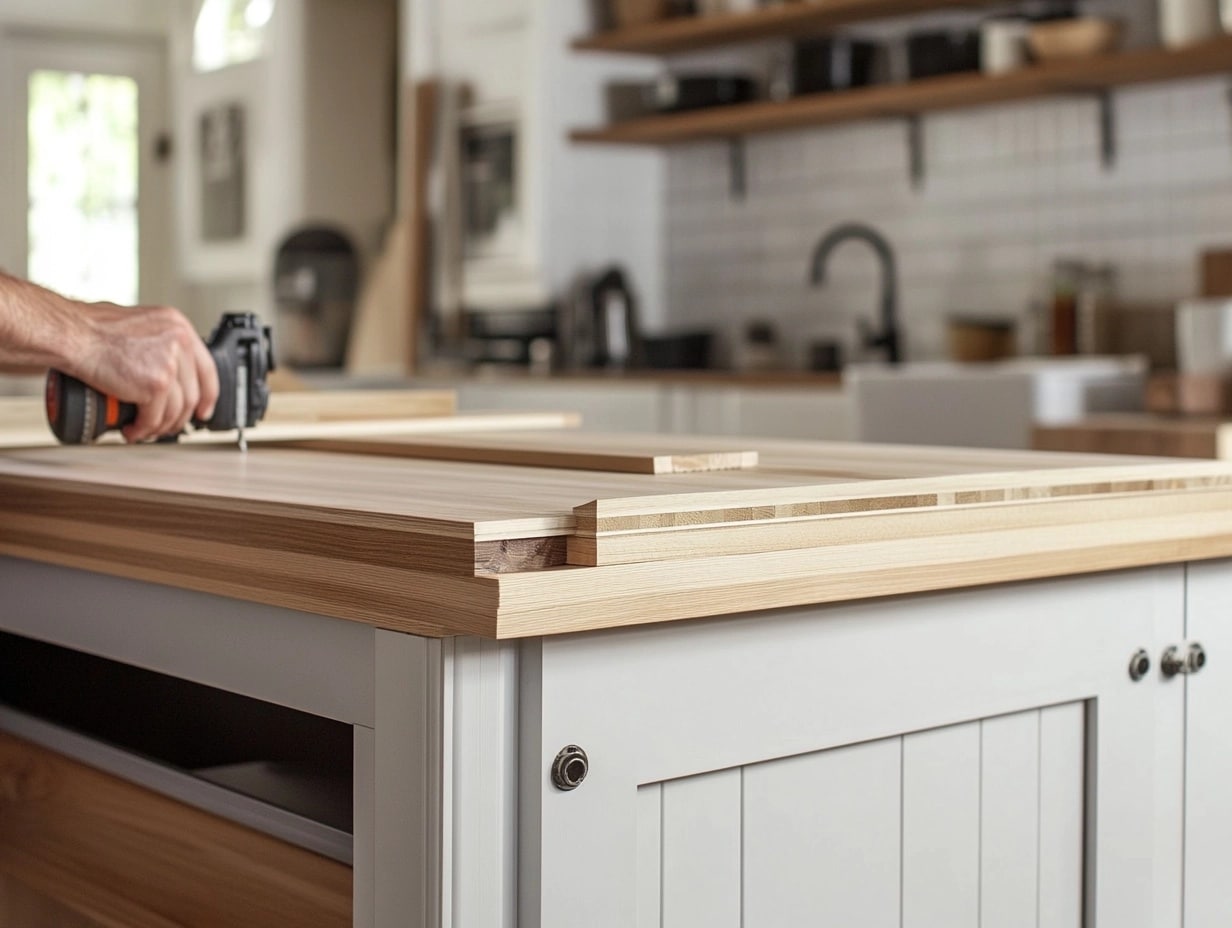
[1088, 75]
[692, 33]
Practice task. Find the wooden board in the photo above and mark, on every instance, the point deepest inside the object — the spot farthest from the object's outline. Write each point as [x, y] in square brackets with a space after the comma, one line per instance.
[1217, 272]
[346, 405]
[37, 434]
[1173, 393]
[1130, 433]
[951, 91]
[115, 854]
[660, 528]
[444, 547]
[689, 33]
[569, 450]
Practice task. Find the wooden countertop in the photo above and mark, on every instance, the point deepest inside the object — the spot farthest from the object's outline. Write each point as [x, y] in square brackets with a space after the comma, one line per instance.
[442, 548]
[1140, 433]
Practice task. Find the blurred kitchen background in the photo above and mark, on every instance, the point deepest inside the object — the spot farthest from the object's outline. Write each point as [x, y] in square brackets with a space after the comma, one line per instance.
[682, 215]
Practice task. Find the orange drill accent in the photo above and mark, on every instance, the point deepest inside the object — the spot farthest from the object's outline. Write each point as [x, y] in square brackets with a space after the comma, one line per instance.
[113, 412]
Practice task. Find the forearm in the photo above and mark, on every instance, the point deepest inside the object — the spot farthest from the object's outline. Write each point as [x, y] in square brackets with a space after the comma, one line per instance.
[40, 329]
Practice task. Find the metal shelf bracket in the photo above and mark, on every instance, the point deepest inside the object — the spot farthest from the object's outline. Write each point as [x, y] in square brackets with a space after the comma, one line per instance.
[915, 149]
[737, 179]
[1107, 129]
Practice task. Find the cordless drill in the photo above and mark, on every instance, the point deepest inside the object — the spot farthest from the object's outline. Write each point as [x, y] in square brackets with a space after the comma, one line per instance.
[242, 352]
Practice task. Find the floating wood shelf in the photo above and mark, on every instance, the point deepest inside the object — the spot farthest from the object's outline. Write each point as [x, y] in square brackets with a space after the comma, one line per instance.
[1088, 75]
[692, 33]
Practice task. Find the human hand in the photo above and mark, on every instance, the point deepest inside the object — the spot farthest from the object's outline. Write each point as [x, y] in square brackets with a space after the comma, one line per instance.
[150, 356]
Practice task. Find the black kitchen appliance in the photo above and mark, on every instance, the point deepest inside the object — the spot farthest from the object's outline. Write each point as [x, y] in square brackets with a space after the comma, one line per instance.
[316, 282]
[933, 53]
[673, 93]
[832, 63]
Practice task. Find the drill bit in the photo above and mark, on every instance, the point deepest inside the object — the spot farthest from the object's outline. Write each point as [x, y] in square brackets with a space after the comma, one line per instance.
[243, 441]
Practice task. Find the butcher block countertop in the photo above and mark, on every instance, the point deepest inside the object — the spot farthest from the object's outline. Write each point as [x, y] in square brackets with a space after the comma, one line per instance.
[444, 547]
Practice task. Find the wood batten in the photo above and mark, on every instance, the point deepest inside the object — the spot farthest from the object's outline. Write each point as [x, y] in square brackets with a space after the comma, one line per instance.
[634, 454]
[585, 599]
[743, 522]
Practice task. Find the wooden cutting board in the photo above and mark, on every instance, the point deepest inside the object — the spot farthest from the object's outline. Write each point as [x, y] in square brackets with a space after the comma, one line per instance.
[632, 454]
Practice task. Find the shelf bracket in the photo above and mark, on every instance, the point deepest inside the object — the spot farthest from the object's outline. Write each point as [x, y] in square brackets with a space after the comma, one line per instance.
[736, 173]
[915, 149]
[1107, 129]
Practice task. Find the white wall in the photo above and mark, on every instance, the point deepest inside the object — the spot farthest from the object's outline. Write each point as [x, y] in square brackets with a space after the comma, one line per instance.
[130, 17]
[1008, 189]
[588, 207]
[318, 111]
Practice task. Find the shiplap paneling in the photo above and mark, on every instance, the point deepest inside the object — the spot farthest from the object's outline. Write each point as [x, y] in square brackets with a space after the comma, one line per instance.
[821, 838]
[964, 826]
[1009, 820]
[701, 851]
[1062, 745]
[941, 828]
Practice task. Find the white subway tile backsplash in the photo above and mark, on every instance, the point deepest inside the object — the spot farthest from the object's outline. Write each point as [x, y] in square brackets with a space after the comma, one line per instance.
[1007, 191]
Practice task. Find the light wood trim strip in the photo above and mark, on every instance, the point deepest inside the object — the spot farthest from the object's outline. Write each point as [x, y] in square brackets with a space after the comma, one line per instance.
[590, 598]
[119, 855]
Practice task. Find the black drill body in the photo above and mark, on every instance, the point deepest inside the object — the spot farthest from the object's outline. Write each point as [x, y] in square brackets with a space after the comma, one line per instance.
[242, 353]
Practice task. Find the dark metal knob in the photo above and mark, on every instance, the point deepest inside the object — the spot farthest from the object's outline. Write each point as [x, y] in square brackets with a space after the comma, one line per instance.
[570, 767]
[1172, 662]
[1175, 661]
[1139, 665]
[1195, 660]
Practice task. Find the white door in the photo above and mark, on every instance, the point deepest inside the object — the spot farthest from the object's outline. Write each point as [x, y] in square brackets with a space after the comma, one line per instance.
[980, 758]
[85, 168]
[1208, 746]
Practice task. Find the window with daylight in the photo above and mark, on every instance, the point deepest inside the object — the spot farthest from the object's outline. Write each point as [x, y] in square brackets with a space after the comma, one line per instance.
[229, 32]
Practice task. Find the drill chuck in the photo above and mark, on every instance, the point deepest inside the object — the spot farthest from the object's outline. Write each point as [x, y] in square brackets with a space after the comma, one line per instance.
[243, 354]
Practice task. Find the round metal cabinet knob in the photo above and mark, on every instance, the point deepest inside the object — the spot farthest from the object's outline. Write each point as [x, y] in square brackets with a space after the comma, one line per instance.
[1173, 662]
[1195, 660]
[1139, 665]
[570, 767]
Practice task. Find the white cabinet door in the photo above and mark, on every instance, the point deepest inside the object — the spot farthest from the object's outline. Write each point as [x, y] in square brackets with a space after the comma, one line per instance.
[964, 759]
[1208, 747]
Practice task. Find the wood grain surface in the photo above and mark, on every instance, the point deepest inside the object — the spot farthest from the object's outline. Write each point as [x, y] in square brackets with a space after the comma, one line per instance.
[443, 547]
[641, 454]
[80, 847]
[23, 423]
[1130, 433]
[655, 528]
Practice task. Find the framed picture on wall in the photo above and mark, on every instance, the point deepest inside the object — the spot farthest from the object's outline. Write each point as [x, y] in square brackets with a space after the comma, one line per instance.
[222, 173]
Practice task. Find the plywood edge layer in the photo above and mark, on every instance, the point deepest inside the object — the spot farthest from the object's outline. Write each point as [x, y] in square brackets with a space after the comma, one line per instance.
[334, 405]
[412, 601]
[928, 525]
[587, 599]
[655, 512]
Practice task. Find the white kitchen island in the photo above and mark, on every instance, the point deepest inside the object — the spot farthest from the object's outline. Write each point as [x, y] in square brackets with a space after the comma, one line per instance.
[945, 722]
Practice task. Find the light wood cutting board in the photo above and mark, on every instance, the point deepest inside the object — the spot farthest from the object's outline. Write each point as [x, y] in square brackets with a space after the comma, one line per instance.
[632, 454]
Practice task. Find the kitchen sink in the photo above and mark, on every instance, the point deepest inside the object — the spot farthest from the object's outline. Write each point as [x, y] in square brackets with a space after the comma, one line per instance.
[991, 405]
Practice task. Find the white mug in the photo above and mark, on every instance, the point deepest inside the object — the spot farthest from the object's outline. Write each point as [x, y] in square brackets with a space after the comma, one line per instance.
[1003, 45]
[1183, 22]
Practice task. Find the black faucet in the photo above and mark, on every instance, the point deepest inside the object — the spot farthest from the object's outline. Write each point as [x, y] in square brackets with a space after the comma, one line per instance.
[887, 338]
